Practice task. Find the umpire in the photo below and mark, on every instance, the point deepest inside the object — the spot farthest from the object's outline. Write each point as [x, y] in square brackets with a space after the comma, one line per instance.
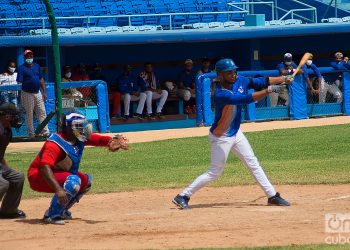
[11, 181]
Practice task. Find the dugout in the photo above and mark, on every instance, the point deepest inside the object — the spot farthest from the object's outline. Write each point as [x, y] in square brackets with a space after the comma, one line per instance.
[252, 48]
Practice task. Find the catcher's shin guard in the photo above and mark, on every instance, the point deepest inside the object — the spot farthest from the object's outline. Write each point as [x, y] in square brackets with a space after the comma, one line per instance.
[77, 197]
[71, 186]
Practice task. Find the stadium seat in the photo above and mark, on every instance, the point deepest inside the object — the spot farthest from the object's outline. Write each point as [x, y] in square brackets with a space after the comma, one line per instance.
[242, 23]
[346, 19]
[208, 18]
[151, 20]
[79, 31]
[42, 32]
[104, 22]
[335, 20]
[230, 24]
[130, 29]
[193, 19]
[64, 31]
[267, 23]
[215, 25]
[292, 21]
[113, 29]
[97, 30]
[277, 22]
[137, 21]
[148, 28]
[200, 26]
[222, 18]
[178, 21]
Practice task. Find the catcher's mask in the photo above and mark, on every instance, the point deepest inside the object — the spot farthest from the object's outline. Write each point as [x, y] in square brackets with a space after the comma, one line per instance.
[12, 113]
[81, 128]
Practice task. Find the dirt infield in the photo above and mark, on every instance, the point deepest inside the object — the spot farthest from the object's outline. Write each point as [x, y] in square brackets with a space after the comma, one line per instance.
[221, 217]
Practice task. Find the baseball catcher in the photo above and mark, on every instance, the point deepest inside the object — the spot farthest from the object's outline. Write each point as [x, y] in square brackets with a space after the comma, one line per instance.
[56, 168]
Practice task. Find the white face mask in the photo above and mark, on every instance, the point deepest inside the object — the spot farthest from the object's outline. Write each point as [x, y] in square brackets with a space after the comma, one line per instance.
[68, 75]
[12, 70]
[288, 63]
[308, 62]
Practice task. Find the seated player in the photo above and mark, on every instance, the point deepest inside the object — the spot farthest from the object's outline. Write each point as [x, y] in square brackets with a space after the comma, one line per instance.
[56, 168]
[127, 88]
[149, 83]
[186, 85]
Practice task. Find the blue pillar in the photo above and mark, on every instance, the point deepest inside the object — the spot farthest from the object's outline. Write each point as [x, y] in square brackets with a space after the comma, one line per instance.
[298, 102]
[20, 56]
[50, 105]
[199, 101]
[207, 113]
[346, 93]
[102, 108]
[250, 114]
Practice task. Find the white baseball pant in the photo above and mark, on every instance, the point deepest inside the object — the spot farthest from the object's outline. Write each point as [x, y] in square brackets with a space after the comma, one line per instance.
[33, 103]
[284, 95]
[127, 98]
[220, 149]
[331, 88]
[154, 96]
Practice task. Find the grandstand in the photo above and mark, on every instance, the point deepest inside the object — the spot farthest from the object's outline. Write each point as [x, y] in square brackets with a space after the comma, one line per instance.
[114, 32]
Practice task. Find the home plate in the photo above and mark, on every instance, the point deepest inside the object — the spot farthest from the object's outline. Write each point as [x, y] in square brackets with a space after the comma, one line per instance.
[268, 209]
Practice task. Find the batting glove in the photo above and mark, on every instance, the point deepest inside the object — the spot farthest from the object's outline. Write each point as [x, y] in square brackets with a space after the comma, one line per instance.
[288, 79]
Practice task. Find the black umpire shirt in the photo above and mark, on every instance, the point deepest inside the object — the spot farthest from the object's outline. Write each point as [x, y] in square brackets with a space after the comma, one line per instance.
[5, 138]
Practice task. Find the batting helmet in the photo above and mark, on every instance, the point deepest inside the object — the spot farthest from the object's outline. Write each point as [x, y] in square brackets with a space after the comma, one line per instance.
[225, 65]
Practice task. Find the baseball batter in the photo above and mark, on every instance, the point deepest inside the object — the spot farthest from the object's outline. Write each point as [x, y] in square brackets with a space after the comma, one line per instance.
[225, 134]
[56, 168]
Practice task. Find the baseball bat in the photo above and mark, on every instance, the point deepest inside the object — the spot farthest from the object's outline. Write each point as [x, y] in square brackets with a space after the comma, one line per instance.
[303, 60]
[45, 122]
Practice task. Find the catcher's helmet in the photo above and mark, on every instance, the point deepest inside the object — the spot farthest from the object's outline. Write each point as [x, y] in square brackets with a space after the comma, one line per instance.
[225, 65]
[79, 125]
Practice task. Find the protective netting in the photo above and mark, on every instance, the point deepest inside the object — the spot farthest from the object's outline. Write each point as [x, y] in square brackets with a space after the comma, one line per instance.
[324, 96]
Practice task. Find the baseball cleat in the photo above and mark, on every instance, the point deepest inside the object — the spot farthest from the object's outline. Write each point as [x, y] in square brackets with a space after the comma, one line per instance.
[181, 201]
[277, 200]
[55, 221]
[67, 215]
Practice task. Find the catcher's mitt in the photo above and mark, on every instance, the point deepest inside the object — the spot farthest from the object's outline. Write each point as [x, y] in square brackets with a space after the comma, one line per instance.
[118, 142]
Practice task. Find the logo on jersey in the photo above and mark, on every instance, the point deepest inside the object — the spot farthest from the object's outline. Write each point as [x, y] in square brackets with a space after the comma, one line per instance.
[240, 89]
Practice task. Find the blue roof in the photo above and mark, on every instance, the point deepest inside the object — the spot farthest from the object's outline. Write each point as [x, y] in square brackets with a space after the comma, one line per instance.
[179, 36]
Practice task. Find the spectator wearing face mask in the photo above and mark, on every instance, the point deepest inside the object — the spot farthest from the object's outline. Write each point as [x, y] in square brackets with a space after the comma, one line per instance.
[80, 74]
[287, 67]
[66, 77]
[32, 99]
[310, 78]
[332, 83]
[186, 85]
[9, 77]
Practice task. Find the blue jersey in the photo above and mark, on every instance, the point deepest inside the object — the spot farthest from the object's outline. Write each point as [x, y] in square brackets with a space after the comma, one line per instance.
[29, 77]
[74, 152]
[282, 66]
[337, 65]
[229, 102]
[126, 84]
[312, 67]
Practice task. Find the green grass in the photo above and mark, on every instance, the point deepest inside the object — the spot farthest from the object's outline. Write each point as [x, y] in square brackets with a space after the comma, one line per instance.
[318, 155]
[294, 247]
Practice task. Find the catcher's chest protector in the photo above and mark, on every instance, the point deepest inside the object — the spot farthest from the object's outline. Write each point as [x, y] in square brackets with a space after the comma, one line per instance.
[74, 152]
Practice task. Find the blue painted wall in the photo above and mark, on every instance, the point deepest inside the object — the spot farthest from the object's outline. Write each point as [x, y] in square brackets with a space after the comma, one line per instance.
[169, 57]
